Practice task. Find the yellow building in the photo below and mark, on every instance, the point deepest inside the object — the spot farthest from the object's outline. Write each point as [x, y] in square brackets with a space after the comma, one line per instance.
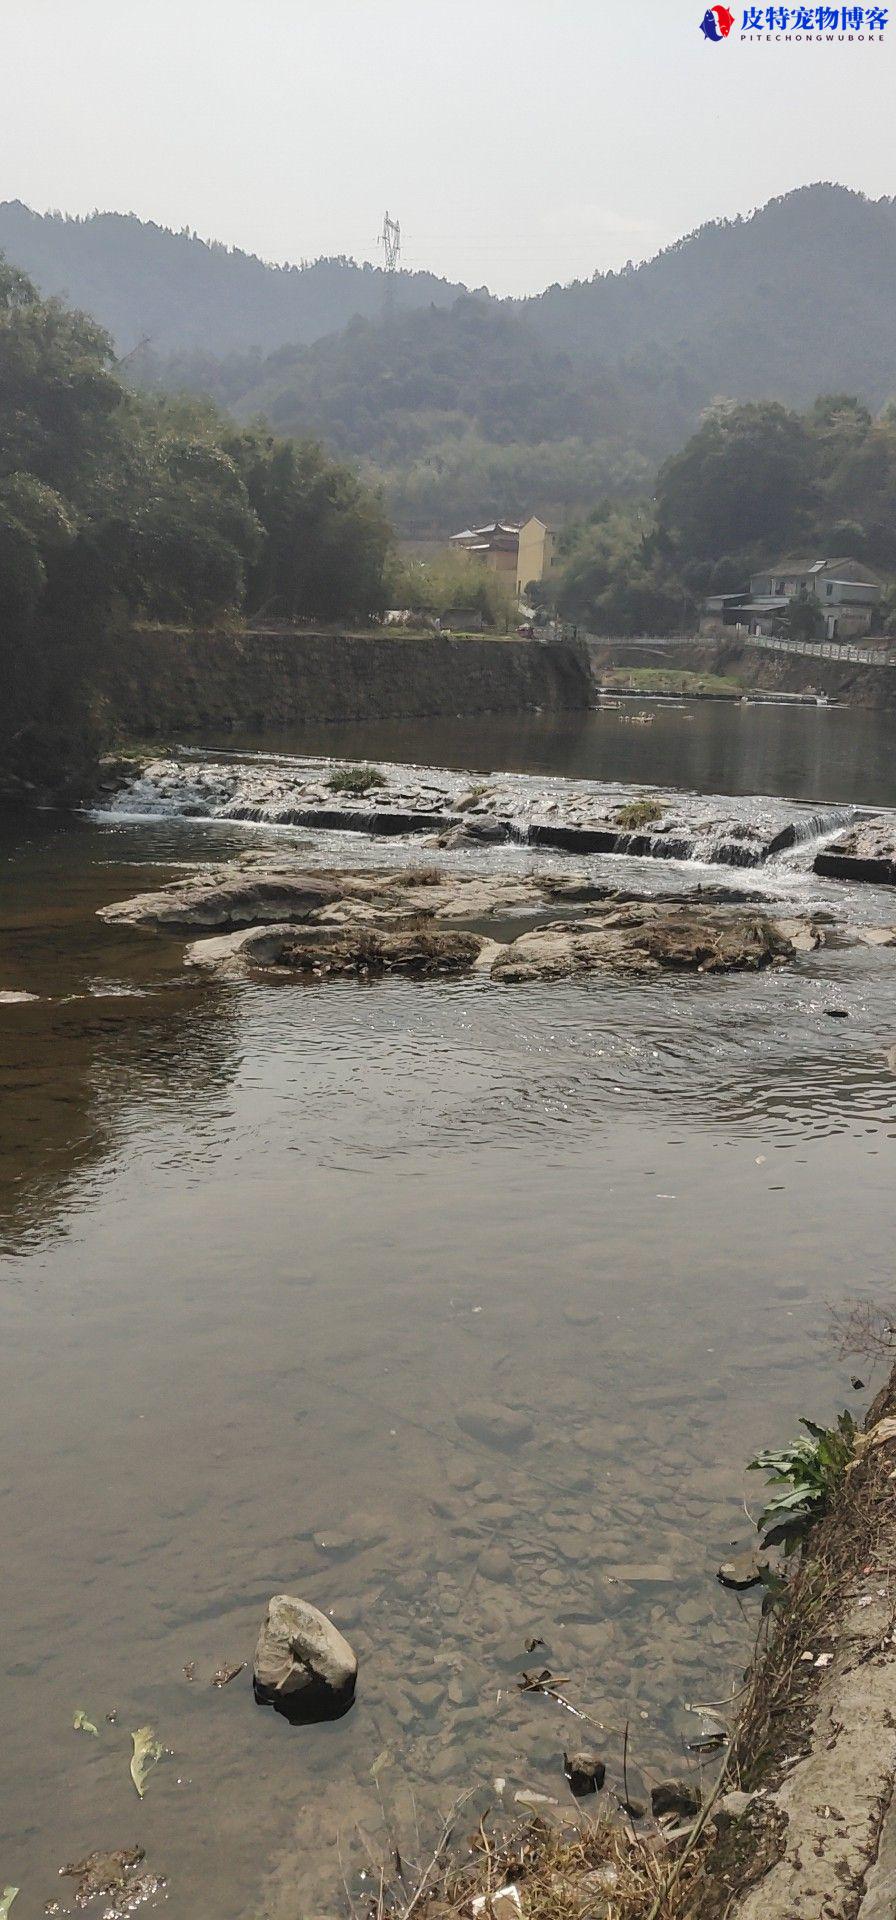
[535, 553]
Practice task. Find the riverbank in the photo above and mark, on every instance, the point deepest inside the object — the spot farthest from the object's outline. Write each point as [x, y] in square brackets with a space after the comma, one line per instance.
[151, 683]
[738, 666]
[797, 1820]
[159, 681]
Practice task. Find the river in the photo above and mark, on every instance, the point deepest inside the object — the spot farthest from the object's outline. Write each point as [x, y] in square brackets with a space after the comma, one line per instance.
[270, 1250]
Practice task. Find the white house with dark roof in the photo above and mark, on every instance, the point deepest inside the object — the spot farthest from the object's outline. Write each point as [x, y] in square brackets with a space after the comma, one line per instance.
[846, 590]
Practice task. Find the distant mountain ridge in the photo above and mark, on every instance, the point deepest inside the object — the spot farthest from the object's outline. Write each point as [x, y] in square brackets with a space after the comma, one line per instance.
[467, 406]
[182, 293]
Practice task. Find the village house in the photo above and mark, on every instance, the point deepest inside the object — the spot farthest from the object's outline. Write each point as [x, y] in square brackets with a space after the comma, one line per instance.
[495, 546]
[846, 592]
[526, 551]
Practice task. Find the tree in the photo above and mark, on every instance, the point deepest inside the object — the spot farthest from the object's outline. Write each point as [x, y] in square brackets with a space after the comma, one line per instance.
[744, 481]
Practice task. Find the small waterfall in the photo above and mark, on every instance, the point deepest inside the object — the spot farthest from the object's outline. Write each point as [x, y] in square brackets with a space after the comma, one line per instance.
[811, 826]
[572, 817]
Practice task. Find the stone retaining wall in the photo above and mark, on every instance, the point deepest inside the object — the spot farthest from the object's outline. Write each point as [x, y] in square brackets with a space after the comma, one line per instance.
[157, 680]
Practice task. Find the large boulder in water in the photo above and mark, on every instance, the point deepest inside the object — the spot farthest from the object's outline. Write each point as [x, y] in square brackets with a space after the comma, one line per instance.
[303, 1664]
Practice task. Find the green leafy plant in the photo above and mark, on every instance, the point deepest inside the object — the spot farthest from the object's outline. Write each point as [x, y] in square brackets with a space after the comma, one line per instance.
[808, 1472]
[355, 779]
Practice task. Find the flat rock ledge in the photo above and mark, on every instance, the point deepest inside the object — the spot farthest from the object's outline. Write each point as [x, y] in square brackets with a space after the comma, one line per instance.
[647, 939]
[426, 923]
[866, 852]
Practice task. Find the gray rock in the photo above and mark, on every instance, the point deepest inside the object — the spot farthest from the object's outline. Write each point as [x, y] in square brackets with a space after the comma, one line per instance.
[731, 1807]
[497, 1426]
[494, 1563]
[235, 899]
[741, 1571]
[302, 1660]
[866, 851]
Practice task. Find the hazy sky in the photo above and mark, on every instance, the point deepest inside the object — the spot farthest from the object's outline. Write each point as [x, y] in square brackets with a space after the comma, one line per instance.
[517, 142]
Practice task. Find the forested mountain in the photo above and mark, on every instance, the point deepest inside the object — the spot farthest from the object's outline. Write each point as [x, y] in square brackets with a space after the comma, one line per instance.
[141, 281]
[468, 405]
[797, 299]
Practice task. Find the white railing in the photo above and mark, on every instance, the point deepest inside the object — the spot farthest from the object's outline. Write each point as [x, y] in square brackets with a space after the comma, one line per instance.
[825, 649]
[846, 650]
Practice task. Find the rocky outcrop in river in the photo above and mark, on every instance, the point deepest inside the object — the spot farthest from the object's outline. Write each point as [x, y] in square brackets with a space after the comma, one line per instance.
[428, 923]
[867, 852]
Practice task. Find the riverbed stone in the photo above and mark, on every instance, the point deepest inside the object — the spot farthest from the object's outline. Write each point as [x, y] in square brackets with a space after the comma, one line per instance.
[496, 1426]
[742, 1570]
[681, 1797]
[226, 899]
[644, 937]
[585, 1771]
[494, 1563]
[300, 1652]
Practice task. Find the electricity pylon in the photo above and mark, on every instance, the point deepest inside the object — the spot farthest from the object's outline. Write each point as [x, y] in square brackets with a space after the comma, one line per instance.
[390, 241]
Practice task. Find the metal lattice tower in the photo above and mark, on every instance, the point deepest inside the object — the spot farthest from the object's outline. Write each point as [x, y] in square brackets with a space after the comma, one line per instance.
[390, 241]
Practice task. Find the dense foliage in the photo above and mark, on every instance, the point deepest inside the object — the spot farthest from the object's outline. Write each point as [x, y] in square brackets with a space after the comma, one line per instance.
[754, 484]
[480, 406]
[112, 504]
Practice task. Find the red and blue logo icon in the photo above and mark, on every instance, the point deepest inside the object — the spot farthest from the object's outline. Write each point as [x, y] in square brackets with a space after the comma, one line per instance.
[717, 23]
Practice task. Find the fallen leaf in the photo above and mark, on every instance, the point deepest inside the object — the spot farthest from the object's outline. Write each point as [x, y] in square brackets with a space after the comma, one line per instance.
[223, 1675]
[81, 1724]
[9, 1895]
[147, 1750]
[505, 1901]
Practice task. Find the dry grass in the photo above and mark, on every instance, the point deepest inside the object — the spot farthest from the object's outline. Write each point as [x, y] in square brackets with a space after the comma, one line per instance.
[422, 876]
[600, 1868]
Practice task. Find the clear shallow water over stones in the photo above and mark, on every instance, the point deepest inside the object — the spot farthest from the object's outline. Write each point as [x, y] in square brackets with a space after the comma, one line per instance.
[279, 1261]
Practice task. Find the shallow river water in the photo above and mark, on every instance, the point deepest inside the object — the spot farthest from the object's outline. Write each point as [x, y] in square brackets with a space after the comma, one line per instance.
[269, 1252]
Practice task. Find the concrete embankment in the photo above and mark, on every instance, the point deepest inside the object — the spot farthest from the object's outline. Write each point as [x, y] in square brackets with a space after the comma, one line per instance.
[154, 681]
